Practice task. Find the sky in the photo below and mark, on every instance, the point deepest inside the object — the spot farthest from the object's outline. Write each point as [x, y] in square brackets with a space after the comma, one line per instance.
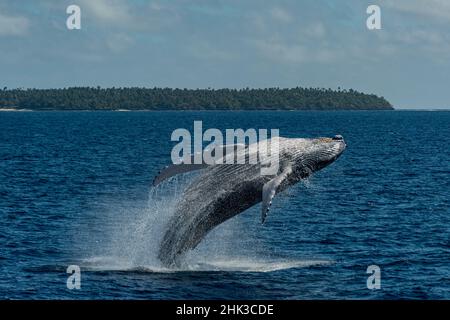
[232, 44]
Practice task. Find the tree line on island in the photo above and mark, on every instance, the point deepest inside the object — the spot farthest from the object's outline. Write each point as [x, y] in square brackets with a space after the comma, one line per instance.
[97, 98]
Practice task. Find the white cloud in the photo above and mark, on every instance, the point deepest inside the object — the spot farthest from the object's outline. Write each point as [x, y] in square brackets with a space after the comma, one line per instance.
[281, 15]
[301, 43]
[119, 42]
[419, 36]
[316, 30]
[284, 52]
[439, 9]
[434, 43]
[264, 20]
[120, 14]
[204, 50]
[110, 11]
[13, 26]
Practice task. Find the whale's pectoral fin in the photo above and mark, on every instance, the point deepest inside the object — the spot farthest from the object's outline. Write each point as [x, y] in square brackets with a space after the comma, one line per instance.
[175, 169]
[269, 191]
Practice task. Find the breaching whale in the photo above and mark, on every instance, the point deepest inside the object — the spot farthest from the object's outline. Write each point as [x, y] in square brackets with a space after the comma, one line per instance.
[222, 191]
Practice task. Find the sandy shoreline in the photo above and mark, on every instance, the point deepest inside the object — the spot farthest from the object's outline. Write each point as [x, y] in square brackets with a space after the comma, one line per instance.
[14, 110]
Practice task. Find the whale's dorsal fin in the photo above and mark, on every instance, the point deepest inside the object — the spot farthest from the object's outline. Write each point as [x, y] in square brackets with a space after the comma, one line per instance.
[176, 169]
[270, 189]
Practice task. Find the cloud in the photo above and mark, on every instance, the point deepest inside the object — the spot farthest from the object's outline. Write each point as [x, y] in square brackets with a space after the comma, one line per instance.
[433, 43]
[205, 51]
[13, 26]
[326, 42]
[109, 11]
[439, 9]
[119, 42]
[291, 41]
[284, 52]
[420, 36]
[281, 15]
[316, 30]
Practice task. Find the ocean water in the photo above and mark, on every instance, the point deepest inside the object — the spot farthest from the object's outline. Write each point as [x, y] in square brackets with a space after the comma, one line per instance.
[75, 189]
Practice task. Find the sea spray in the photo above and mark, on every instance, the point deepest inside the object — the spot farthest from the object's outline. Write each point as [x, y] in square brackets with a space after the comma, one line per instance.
[126, 234]
[131, 235]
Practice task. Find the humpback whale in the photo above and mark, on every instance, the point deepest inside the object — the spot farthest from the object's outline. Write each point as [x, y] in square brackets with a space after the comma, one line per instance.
[222, 191]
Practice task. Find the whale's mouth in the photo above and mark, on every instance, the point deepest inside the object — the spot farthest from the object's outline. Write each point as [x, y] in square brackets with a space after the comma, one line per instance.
[340, 147]
[328, 151]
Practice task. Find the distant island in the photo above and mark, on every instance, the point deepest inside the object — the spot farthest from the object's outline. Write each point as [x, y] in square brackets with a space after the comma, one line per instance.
[97, 98]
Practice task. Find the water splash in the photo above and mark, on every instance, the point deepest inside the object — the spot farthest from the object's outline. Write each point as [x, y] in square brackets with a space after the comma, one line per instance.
[237, 264]
[132, 234]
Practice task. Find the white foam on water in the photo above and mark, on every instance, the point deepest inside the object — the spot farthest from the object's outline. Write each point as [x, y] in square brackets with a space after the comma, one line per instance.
[252, 265]
[225, 265]
[130, 239]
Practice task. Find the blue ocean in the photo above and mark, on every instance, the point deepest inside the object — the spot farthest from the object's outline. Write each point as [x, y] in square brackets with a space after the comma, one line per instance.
[76, 189]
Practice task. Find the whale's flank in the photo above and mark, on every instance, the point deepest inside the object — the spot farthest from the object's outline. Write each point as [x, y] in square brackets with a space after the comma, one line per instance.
[220, 192]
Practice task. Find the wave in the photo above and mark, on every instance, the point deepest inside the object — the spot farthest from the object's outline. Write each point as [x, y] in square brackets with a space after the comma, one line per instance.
[14, 110]
[131, 236]
[237, 264]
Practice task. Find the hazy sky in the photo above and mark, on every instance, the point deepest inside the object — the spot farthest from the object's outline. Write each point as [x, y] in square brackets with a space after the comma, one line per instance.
[232, 43]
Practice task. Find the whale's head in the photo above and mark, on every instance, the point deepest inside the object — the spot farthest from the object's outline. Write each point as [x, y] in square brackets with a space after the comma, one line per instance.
[310, 155]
